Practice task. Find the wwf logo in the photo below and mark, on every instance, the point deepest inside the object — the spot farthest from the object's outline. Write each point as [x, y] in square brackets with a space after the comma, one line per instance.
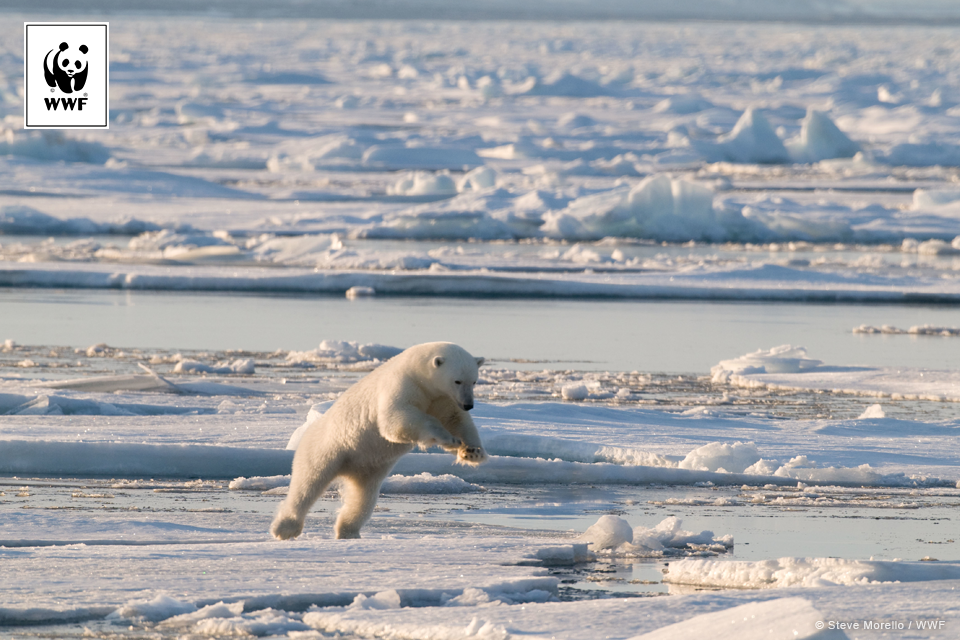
[67, 68]
[66, 75]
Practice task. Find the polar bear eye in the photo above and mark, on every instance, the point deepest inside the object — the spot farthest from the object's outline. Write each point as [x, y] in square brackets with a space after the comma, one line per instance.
[458, 382]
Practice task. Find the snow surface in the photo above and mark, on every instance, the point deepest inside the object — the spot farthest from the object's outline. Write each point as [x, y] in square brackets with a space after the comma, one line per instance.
[207, 566]
[488, 148]
[785, 618]
[529, 442]
[628, 160]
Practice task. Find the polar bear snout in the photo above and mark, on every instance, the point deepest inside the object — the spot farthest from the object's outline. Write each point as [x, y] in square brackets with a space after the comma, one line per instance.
[464, 395]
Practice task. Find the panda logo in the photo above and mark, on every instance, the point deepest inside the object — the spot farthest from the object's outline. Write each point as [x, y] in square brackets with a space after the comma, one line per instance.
[67, 68]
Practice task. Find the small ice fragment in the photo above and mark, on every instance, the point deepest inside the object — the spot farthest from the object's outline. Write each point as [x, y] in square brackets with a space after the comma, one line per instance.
[383, 600]
[360, 292]
[735, 458]
[873, 411]
[574, 392]
[609, 532]
[97, 350]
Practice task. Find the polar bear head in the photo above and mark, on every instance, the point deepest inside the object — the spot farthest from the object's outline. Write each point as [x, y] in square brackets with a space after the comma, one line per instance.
[452, 372]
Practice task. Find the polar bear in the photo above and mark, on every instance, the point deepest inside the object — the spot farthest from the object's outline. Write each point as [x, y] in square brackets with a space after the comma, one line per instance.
[419, 397]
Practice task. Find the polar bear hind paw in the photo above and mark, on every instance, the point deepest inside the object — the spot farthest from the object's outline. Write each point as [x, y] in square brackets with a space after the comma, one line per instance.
[286, 528]
[471, 455]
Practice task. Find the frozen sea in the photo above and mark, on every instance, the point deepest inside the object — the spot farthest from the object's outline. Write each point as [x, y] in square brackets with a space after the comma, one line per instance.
[714, 268]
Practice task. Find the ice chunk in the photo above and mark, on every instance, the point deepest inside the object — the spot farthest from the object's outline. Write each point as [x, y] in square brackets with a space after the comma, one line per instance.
[936, 247]
[218, 610]
[669, 533]
[609, 532]
[613, 534]
[360, 292]
[478, 179]
[659, 207]
[574, 392]
[427, 484]
[333, 352]
[752, 140]
[489, 87]
[266, 622]
[259, 483]
[872, 412]
[383, 600]
[820, 139]
[160, 607]
[783, 359]
[781, 619]
[763, 467]
[716, 456]
[423, 183]
[239, 366]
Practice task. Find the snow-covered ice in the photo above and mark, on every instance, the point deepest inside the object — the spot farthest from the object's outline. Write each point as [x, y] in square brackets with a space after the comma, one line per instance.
[805, 572]
[271, 149]
[206, 565]
[787, 366]
[298, 158]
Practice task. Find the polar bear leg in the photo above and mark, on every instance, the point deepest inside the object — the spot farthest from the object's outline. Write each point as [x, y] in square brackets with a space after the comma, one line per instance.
[359, 498]
[461, 425]
[411, 426]
[305, 488]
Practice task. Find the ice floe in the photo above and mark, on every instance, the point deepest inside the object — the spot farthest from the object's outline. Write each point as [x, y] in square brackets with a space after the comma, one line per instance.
[804, 572]
[788, 367]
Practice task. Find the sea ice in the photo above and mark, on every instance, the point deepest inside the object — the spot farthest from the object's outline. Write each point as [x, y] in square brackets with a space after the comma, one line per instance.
[752, 140]
[239, 366]
[788, 367]
[783, 359]
[614, 535]
[782, 619]
[820, 139]
[803, 572]
[339, 352]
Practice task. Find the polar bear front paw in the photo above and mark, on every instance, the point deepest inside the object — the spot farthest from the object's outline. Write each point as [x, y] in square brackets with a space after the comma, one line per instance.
[471, 455]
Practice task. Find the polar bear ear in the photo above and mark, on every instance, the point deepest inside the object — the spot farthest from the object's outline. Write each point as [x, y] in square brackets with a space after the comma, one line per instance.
[438, 361]
[480, 361]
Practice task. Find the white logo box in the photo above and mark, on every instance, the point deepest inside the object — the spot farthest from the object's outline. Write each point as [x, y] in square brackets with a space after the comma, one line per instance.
[66, 75]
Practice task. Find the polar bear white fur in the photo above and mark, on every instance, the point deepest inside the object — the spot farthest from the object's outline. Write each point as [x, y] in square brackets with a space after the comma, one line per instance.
[417, 398]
